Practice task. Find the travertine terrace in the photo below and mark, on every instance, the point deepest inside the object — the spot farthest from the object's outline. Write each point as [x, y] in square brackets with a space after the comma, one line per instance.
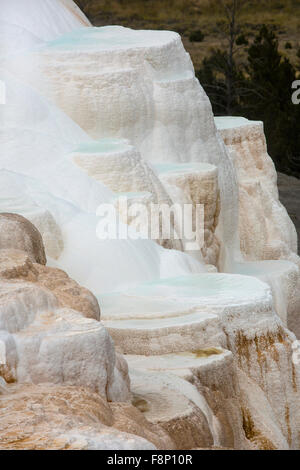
[147, 344]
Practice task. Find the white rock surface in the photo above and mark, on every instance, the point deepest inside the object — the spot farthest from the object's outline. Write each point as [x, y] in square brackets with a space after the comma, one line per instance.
[18, 233]
[273, 235]
[53, 417]
[266, 231]
[176, 405]
[118, 165]
[72, 197]
[179, 314]
[146, 91]
[49, 344]
[246, 324]
[196, 184]
[224, 419]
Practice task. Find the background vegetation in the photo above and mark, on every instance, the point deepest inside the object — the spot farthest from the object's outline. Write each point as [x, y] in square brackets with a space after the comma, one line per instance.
[246, 54]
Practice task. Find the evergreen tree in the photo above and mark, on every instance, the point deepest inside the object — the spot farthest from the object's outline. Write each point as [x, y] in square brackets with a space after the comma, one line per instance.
[219, 74]
[269, 79]
[261, 90]
[223, 83]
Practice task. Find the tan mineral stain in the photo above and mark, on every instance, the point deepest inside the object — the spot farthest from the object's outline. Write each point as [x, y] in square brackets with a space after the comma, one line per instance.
[253, 434]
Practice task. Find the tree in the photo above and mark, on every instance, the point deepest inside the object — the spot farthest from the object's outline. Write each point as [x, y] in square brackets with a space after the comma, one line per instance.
[222, 83]
[259, 89]
[232, 9]
[220, 74]
[269, 79]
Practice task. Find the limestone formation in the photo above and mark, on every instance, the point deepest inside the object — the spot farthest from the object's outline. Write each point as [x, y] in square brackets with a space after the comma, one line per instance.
[240, 341]
[41, 218]
[160, 107]
[68, 292]
[52, 417]
[266, 231]
[18, 233]
[119, 166]
[272, 236]
[174, 404]
[16, 265]
[45, 338]
[197, 184]
[41, 340]
[45, 343]
[195, 349]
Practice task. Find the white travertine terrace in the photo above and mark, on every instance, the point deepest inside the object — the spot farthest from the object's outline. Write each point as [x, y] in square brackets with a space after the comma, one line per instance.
[266, 231]
[174, 314]
[96, 113]
[118, 165]
[273, 236]
[146, 92]
[47, 344]
[196, 183]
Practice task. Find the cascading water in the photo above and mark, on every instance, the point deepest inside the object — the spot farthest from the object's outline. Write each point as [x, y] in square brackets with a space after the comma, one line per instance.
[162, 109]
[44, 137]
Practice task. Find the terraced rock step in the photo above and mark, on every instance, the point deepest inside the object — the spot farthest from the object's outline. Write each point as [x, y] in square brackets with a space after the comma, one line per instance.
[46, 343]
[267, 234]
[182, 363]
[175, 405]
[210, 291]
[196, 184]
[165, 335]
[273, 236]
[179, 390]
[178, 314]
[118, 165]
[283, 278]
